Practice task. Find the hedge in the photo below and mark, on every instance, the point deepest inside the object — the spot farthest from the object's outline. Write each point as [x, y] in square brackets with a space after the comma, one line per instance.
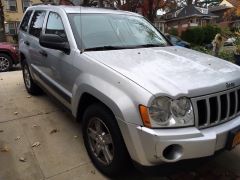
[200, 35]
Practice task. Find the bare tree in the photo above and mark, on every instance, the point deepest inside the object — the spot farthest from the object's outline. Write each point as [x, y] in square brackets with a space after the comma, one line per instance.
[2, 29]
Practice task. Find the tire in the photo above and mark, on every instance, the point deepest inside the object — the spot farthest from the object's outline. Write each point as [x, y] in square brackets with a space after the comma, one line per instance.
[6, 62]
[31, 86]
[114, 147]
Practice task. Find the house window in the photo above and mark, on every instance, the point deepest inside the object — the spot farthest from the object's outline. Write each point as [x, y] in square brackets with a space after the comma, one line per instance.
[11, 5]
[26, 4]
[10, 28]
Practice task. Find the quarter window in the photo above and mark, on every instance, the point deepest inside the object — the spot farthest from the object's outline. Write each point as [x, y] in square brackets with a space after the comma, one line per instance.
[55, 25]
[24, 24]
[37, 23]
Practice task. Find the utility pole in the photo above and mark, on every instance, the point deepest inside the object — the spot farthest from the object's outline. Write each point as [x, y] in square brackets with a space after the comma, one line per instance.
[2, 29]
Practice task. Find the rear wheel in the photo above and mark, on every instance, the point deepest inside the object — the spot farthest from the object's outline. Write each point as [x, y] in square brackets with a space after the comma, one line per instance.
[103, 141]
[5, 62]
[30, 85]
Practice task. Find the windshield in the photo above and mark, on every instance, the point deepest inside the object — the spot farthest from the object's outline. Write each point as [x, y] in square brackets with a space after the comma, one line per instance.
[114, 31]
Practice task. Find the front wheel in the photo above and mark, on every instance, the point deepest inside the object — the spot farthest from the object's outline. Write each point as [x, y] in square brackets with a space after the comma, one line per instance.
[103, 141]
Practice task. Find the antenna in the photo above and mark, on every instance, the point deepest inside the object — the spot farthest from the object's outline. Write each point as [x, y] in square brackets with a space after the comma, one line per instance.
[81, 29]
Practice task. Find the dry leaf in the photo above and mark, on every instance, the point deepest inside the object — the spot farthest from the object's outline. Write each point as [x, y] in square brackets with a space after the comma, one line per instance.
[29, 96]
[93, 171]
[1, 131]
[54, 131]
[75, 136]
[5, 149]
[22, 159]
[16, 113]
[36, 144]
[17, 138]
[35, 125]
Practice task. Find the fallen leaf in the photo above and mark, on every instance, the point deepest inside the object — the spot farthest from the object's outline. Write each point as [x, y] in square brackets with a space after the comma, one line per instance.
[29, 96]
[16, 113]
[1, 131]
[35, 125]
[22, 159]
[1, 79]
[36, 144]
[93, 171]
[5, 149]
[75, 136]
[17, 138]
[54, 131]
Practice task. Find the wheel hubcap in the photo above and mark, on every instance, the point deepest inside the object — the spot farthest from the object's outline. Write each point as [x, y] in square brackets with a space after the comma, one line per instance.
[100, 140]
[27, 77]
[4, 64]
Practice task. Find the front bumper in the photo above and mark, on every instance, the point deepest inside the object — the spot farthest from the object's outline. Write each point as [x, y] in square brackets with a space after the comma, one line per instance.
[148, 146]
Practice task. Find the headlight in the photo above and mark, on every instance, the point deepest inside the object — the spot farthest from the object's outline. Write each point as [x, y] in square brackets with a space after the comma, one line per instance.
[166, 112]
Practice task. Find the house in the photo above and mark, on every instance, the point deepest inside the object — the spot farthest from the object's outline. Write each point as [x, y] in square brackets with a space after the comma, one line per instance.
[13, 13]
[221, 10]
[183, 18]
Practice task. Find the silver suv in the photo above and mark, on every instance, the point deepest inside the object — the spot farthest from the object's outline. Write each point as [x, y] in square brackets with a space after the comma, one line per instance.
[137, 96]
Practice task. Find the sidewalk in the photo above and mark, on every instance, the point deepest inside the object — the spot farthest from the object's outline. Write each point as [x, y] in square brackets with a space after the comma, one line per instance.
[59, 152]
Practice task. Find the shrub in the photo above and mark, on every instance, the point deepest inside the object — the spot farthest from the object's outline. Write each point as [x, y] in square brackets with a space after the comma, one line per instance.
[201, 35]
[227, 55]
[173, 32]
[194, 36]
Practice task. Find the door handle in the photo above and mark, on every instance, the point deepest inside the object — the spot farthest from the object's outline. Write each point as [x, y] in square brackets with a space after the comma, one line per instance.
[27, 43]
[43, 53]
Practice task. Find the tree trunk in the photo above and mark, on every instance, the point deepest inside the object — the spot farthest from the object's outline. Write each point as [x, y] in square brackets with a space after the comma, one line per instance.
[2, 29]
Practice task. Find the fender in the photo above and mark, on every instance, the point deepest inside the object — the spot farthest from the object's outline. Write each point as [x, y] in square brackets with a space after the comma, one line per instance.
[113, 97]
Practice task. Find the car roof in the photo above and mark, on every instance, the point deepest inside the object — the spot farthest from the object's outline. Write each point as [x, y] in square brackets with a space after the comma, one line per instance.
[82, 10]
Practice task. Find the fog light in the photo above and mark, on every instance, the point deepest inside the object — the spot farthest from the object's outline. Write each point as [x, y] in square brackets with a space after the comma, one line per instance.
[173, 152]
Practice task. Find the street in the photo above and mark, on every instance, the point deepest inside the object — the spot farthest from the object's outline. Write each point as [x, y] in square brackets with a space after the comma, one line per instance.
[40, 140]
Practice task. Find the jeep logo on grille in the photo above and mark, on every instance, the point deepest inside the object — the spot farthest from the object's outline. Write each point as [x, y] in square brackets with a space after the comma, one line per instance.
[230, 85]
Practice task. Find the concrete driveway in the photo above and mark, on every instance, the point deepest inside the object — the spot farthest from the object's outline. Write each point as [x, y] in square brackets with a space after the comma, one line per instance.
[39, 140]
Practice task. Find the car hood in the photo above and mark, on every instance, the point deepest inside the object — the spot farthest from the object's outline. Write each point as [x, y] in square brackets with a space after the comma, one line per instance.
[171, 71]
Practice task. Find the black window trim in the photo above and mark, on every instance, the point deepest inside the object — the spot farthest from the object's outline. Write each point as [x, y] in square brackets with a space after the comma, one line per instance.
[45, 25]
[30, 19]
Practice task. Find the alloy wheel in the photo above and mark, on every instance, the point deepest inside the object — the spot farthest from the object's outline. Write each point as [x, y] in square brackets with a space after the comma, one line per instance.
[100, 140]
[4, 64]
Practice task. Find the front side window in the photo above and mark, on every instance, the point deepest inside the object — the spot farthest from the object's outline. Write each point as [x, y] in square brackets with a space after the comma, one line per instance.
[37, 23]
[55, 25]
[101, 30]
[24, 24]
[11, 5]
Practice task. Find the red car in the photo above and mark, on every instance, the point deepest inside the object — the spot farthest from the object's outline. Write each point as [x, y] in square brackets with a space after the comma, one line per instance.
[9, 56]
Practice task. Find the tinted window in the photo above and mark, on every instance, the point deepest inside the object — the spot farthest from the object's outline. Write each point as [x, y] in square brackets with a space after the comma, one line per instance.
[55, 25]
[37, 23]
[24, 24]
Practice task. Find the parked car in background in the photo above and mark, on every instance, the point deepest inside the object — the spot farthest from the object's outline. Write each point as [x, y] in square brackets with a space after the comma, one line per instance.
[139, 98]
[177, 41]
[9, 56]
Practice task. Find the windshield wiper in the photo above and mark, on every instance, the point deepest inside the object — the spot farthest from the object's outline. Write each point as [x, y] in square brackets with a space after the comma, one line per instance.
[152, 45]
[102, 48]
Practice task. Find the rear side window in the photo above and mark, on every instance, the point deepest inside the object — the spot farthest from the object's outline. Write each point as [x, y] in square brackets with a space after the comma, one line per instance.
[37, 23]
[24, 24]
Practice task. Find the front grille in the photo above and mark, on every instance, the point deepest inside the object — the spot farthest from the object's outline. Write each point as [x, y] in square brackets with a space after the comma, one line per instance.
[216, 108]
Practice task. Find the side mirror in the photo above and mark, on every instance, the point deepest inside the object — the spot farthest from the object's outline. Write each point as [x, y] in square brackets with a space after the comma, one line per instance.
[54, 41]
